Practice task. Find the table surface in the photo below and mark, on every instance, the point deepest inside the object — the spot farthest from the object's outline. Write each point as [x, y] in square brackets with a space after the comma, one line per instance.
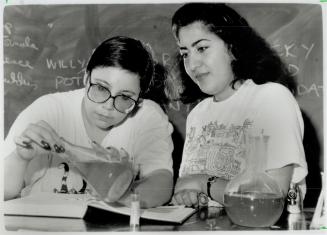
[203, 220]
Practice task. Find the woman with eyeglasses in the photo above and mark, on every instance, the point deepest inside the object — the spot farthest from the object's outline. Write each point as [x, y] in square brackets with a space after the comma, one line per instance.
[113, 111]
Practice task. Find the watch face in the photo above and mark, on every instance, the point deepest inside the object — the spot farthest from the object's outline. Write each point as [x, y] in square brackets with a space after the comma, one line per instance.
[212, 179]
[203, 199]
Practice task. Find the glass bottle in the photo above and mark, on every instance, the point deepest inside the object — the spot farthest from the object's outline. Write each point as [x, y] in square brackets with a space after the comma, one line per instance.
[110, 173]
[253, 198]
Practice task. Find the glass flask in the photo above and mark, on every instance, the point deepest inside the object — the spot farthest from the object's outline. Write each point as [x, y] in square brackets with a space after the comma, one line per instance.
[109, 172]
[253, 198]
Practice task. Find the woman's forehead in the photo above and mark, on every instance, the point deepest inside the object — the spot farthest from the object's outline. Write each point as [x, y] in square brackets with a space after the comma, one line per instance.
[117, 78]
[194, 32]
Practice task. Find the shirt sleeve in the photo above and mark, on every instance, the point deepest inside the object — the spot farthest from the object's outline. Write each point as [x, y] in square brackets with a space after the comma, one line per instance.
[280, 118]
[153, 143]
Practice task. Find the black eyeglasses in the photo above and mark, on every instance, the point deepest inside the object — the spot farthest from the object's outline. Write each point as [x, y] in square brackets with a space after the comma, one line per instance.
[100, 94]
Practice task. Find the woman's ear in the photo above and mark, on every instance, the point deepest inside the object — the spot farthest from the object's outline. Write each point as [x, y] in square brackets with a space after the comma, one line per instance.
[231, 56]
[85, 78]
[230, 53]
[137, 107]
[140, 102]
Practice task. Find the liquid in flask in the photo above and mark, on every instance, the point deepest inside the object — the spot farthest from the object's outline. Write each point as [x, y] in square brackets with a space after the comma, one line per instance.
[253, 198]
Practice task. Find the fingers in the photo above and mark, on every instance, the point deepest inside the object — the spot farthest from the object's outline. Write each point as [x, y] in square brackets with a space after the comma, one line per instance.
[113, 153]
[23, 142]
[56, 141]
[42, 135]
[101, 152]
[110, 153]
[123, 154]
[173, 201]
[186, 197]
[26, 149]
[98, 147]
[37, 135]
[194, 198]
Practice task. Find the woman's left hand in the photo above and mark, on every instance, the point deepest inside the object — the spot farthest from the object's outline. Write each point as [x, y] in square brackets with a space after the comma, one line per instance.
[187, 189]
[111, 153]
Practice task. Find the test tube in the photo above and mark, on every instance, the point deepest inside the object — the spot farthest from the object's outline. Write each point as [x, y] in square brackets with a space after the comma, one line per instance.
[134, 221]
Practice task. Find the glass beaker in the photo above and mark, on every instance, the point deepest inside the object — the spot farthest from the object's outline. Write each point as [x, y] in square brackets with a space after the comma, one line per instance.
[110, 180]
[110, 173]
[253, 198]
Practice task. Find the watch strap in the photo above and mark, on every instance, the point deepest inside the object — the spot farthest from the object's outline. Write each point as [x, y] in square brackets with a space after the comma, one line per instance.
[211, 180]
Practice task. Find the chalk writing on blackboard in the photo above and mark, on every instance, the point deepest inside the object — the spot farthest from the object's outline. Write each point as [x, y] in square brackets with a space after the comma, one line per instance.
[64, 64]
[19, 62]
[17, 79]
[9, 42]
[68, 81]
[303, 89]
[293, 50]
[290, 47]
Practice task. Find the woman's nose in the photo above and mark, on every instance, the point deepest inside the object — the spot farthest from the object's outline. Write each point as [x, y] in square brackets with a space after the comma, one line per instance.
[109, 104]
[194, 62]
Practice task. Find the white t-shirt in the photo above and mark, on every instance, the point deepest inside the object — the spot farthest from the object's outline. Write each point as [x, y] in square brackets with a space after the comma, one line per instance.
[215, 132]
[146, 136]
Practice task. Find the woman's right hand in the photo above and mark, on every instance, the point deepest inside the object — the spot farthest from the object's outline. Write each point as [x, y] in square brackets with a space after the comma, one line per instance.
[187, 189]
[37, 139]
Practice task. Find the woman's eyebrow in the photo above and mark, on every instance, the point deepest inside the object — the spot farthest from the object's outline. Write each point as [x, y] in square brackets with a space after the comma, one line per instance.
[128, 91]
[107, 85]
[198, 41]
[101, 82]
[194, 43]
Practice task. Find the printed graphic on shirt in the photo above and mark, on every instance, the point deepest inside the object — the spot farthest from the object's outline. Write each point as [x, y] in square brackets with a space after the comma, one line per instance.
[215, 149]
[60, 177]
[64, 187]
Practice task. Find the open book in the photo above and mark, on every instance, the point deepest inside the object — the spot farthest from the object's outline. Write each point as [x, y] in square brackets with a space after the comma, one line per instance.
[76, 205]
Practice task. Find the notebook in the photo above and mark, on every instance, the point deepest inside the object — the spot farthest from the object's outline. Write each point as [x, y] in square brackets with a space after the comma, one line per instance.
[76, 206]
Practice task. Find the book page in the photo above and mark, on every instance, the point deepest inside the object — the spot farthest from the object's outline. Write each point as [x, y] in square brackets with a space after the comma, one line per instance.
[175, 214]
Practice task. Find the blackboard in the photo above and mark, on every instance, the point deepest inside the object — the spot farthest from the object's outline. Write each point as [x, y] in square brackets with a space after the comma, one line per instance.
[46, 48]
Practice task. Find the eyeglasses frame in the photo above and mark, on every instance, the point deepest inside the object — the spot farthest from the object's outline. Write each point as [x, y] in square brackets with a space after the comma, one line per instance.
[110, 96]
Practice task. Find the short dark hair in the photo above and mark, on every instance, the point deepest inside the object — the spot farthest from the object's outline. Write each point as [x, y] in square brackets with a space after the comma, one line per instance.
[254, 58]
[130, 54]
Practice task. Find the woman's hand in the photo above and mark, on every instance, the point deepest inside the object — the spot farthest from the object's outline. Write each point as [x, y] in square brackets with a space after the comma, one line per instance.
[187, 189]
[110, 154]
[37, 139]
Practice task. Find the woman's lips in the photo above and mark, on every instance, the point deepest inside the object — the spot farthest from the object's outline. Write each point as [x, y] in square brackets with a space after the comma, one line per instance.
[201, 76]
[103, 117]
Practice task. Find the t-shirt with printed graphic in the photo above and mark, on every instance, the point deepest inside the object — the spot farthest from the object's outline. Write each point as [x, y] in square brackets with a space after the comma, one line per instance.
[146, 136]
[215, 132]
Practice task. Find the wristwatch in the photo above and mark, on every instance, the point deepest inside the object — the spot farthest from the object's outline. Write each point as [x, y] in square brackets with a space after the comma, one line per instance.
[203, 199]
[211, 180]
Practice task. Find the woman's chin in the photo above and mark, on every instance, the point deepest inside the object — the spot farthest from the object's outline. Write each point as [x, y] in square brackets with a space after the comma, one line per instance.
[207, 90]
[103, 125]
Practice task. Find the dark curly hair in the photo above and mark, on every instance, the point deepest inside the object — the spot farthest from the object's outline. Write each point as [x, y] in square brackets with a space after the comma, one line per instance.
[130, 54]
[254, 58]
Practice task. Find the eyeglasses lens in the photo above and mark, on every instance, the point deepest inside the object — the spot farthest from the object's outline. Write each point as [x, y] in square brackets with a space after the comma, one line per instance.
[100, 94]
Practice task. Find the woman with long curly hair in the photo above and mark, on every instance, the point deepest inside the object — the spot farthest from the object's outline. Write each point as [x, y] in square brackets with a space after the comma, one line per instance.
[244, 89]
